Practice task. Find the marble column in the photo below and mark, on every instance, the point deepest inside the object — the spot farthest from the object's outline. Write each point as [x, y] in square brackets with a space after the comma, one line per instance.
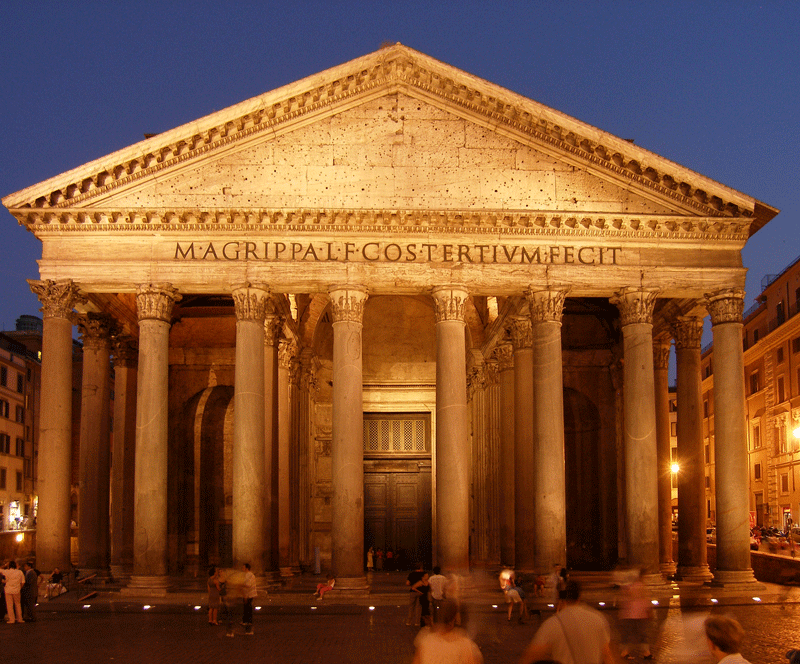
[505, 364]
[639, 437]
[272, 332]
[347, 441]
[123, 455]
[661, 348]
[524, 493]
[452, 430]
[251, 464]
[550, 498]
[286, 353]
[94, 470]
[730, 439]
[154, 303]
[692, 554]
[55, 423]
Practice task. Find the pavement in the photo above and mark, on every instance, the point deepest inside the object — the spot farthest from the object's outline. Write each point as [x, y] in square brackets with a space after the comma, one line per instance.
[291, 626]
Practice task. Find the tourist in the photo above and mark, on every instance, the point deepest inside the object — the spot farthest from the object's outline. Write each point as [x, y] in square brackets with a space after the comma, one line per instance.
[635, 612]
[576, 634]
[437, 584]
[249, 593]
[15, 579]
[444, 643]
[214, 599]
[514, 594]
[413, 597]
[422, 589]
[370, 559]
[725, 636]
[30, 592]
[322, 588]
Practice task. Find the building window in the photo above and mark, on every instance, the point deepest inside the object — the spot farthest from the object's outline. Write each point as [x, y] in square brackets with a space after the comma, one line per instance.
[756, 436]
[2, 478]
[796, 345]
[708, 453]
[708, 370]
[708, 509]
[27, 466]
[755, 336]
[779, 355]
[754, 382]
[4, 376]
[781, 390]
[781, 313]
[708, 482]
[20, 383]
[673, 429]
[20, 447]
[5, 443]
[19, 480]
[3, 408]
[705, 407]
[780, 443]
[20, 415]
[757, 471]
[784, 482]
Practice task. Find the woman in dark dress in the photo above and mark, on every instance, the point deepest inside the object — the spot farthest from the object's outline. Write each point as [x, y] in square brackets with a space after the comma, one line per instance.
[422, 588]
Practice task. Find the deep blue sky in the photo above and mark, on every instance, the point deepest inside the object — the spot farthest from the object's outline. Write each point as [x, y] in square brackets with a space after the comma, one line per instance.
[714, 86]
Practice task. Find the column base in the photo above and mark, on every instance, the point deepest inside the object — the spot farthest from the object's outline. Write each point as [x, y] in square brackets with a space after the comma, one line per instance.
[669, 569]
[693, 573]
[289, 571]
[655, 582]
[147, 586]
[121, 572]
[347, 587]
[735, 580]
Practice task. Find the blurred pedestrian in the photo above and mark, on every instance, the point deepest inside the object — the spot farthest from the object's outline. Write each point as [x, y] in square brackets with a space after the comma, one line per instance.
[30, 592]
[635, 613]
[444, 643]
[514, 594]
[15, 579]
[725, 636]
[249, 593]
[412, 617]
[214, 599]
[437, 582]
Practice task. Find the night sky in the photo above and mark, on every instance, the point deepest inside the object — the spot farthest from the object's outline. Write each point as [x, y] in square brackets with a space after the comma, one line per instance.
[714, 86]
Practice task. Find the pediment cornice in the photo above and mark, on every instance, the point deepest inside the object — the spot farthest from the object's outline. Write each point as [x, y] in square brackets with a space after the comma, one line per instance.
[395, 67]
[385, 221]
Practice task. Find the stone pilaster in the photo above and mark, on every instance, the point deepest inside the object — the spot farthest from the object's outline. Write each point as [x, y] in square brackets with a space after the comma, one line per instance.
[55, 423]
[692, 553]
[252, 468]
[550, 500]
[123, 454]
[94, 469]
[273, 325]
[286, 353]
[661, 350]
[639, 421]
[452, 430]
[154, 303]
[524, 457]
[730, 439]
[505, 366]
[347, 443]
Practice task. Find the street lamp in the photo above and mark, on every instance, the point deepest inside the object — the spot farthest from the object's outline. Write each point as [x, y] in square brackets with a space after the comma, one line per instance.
[675, 467]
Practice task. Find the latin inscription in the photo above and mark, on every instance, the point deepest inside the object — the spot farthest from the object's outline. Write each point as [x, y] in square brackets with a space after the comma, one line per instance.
[392, 252]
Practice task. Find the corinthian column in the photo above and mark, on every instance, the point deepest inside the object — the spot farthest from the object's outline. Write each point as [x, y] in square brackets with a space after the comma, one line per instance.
[692, 555]
[550, 500]
[252, 468]
[123, 455]
[505, 366]
[524, 494]
[639, 415]
[55, 423]
[272, 333]
[452, 430]
[286, 354]
[663, 451]
[733, 520]
[347, 443]
[95, 444]
[154, 304]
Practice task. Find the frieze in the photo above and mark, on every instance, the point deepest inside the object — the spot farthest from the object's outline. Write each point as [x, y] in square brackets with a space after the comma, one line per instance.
[155, 301]
[57, 297]
[507, 222]
[726, 306]
[635, 305]
[393, 66]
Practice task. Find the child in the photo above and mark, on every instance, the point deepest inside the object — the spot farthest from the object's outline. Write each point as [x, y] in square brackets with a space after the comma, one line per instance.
[322, 588]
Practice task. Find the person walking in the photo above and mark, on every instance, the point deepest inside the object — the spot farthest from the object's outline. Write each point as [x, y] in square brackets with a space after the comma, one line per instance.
[249, 593]
[444, 643]
[15, 579]
[437, 582]
[370, 559]
[576, 634]
[423, 589]
[413, 596]
[214, 599]
[30, 592]
[635, 612]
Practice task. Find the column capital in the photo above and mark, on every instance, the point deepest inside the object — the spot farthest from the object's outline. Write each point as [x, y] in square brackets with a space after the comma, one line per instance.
[96, 330]
[126, 351]
[273, 325]
[546, 305]
[725, 306]
[688, 332]
[661, 348]
[347, 303]
[57, 297]
[504, 354]
[521, 332]
[635, 305]
[450, 303]
[287, 351]
[155, 301]
[250, 302]
[476, 379]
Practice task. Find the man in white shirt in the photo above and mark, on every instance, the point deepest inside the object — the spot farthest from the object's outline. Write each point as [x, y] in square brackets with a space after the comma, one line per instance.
[14, 582]
[437, 582]
[250, 592]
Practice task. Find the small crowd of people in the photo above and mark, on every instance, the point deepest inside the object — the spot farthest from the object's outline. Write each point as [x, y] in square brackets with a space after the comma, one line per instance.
[223, 588]
[19, 591]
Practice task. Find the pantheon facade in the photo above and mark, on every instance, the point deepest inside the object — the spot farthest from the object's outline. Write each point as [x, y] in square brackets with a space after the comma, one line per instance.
[389, 305]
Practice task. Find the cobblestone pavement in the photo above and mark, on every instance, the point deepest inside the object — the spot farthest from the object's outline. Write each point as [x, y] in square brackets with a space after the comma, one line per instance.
[337, 634]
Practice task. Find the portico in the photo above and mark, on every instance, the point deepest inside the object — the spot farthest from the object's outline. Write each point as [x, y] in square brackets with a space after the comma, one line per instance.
[483, 278]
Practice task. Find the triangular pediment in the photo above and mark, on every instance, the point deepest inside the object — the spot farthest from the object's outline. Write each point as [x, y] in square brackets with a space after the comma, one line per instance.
[395, 129]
